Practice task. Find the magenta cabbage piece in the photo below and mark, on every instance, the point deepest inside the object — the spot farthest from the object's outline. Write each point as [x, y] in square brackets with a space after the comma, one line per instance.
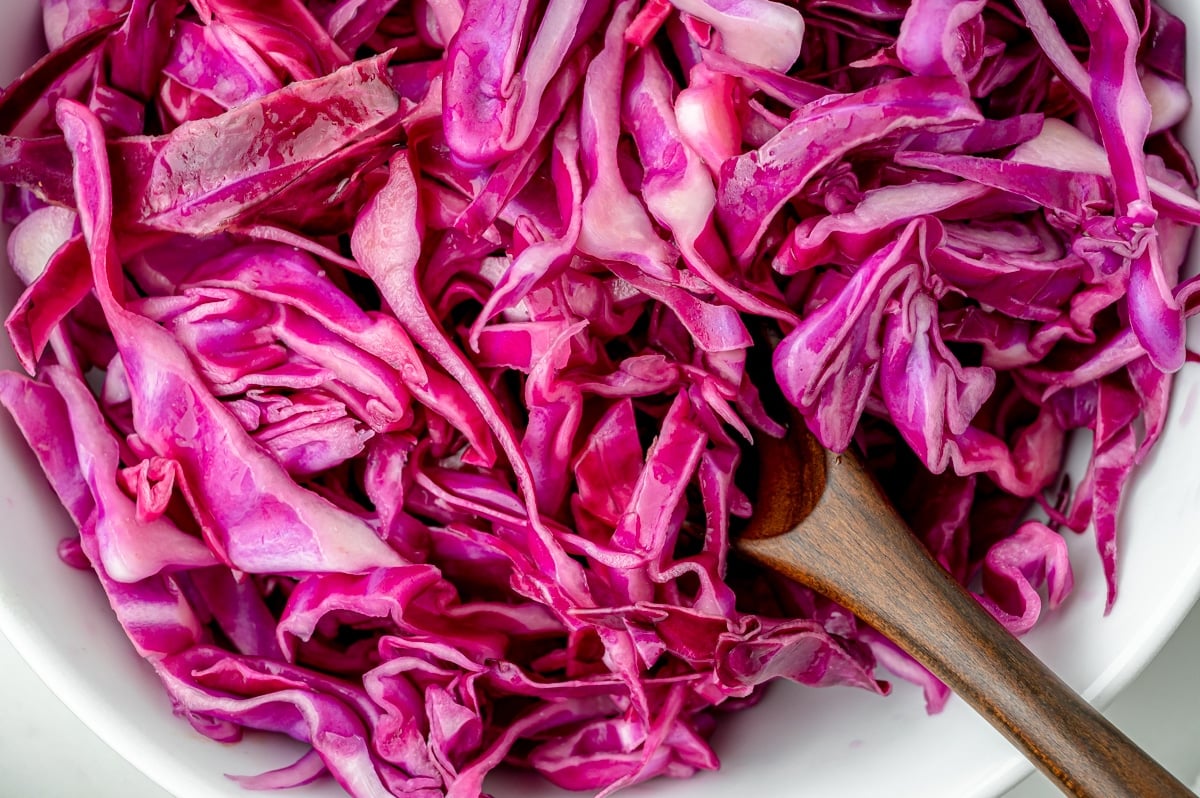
[400, 362]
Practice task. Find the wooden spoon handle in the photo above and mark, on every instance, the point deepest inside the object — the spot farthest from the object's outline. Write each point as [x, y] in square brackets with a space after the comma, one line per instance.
[854, 549]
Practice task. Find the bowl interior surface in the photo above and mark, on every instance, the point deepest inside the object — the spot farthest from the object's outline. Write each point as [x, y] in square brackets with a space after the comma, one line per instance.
[799, 741]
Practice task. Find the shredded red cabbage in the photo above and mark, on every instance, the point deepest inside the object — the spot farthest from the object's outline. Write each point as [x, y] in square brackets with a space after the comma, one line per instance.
[398, 360]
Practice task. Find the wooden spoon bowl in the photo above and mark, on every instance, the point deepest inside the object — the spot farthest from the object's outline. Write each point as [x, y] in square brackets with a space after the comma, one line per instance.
[823, 522]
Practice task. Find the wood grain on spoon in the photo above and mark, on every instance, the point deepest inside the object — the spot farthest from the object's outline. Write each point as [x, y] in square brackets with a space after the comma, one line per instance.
[822, 521]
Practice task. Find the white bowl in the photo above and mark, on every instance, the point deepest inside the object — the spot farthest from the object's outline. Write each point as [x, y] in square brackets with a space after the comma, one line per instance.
[799, 742]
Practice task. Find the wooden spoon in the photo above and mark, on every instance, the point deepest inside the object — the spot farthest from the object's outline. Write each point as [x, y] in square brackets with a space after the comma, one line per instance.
[823, 521]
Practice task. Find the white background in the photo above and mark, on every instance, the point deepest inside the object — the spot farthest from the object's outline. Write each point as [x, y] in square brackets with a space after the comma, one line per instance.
[46, 753]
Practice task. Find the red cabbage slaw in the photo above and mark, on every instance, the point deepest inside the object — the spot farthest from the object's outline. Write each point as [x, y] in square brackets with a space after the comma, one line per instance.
[394, 359]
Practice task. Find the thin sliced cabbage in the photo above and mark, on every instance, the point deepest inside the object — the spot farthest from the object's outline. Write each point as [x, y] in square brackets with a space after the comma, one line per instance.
[401, 363]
